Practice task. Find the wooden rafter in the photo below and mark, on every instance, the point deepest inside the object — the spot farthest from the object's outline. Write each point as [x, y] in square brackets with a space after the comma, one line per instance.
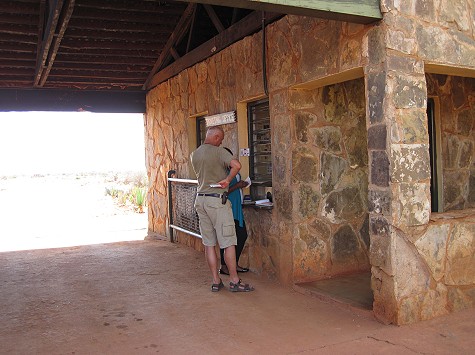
[60, 20]
[214, 18]
[180, 30]
[47, 37]
[250, 24]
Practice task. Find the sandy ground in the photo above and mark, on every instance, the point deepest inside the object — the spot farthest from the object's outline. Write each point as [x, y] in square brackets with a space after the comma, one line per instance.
[63, 210]
[147, 297]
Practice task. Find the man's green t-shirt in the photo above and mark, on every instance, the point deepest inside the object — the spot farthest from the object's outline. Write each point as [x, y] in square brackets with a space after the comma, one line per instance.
[210, 164]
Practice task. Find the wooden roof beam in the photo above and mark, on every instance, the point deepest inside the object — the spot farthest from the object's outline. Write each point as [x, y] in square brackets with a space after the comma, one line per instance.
[64, 18]
[214, 18]
[47, 36]
[248, 25]
[357, 11]
[180, 30]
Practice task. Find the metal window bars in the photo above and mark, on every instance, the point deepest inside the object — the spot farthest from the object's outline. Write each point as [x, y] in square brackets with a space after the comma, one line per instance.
[181, 206]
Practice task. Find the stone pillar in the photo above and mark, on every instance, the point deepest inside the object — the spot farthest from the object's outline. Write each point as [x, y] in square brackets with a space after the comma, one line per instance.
[399, 171]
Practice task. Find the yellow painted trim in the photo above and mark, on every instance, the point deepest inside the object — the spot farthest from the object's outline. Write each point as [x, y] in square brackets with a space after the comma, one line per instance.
[435, 68]
[346, 75]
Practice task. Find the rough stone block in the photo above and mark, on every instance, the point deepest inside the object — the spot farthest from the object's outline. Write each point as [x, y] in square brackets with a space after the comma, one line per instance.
[301, 99]
[379, 201]
[343, 205]
[455, 12]
[379, 168]
[410, 273]
[364, 233]
[410, 162]
[461, 255]
[446, 47]
[311, 255]
[376, 92]
[466, 154]
[413, 205]
[346, 251]
[302, 122]
[304, 165]
[327, 138]
[320, 228]
[471, 188]
[356, 145]
[414, 126]
[425, 9]
[408, 91]
[434, 303]
[284, 202]
[460, 299]
[308, 201]
[454, 189]
[397, 40]
[332, 168]
[432, 246]
[377, 136]
[465, 121]
[451, 150]
[334, 103]
[384, 305]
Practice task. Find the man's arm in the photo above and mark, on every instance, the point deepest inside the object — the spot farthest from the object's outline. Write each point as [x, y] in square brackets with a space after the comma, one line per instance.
[234, 166]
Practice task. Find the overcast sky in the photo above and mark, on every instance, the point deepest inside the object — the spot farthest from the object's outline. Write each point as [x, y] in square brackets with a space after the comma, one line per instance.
[69, 142]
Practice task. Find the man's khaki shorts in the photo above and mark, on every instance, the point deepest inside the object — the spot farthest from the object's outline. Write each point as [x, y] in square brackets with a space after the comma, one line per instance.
[216, 221]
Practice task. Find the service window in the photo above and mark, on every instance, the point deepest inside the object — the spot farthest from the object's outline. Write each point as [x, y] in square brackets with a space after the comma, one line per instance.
[260, 158]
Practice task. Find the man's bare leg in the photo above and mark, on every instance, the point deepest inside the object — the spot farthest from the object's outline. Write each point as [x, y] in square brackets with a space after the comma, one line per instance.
[212, 260]
[230, 258]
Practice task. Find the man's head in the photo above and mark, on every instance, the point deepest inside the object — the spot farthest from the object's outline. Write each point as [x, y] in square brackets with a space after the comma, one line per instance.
[214, 136]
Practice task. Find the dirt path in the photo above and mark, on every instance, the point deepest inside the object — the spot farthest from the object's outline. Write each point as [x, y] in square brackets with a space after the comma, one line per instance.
[152, 297]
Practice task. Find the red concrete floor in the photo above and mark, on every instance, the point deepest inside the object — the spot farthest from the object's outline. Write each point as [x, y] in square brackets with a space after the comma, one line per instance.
[147, 297]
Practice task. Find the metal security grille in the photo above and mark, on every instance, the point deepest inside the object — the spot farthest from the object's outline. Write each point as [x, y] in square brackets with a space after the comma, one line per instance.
[260, 159]
[181, 199]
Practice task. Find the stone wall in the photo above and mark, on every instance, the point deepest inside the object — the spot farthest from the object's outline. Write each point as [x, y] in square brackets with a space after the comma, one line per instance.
[329, 181]
[414, 34]
[421, 266]
[299, 49]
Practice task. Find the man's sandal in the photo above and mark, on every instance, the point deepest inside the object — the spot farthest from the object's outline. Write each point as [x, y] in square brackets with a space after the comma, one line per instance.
[217, 287]
[240, 287]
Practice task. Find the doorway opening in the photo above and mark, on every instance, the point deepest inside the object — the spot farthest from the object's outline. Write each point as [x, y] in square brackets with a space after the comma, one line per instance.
[61, 178]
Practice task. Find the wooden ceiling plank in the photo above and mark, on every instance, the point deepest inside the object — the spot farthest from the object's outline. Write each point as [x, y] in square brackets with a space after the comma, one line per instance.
[18, 19]
[124, 16]
[181, 28]
[165, 26]
[214, 18]
[85, 45]
[250, 24]
[18, 29]
[175, 9]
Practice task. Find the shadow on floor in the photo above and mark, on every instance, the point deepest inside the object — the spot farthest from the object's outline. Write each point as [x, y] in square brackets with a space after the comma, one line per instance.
[353, 290]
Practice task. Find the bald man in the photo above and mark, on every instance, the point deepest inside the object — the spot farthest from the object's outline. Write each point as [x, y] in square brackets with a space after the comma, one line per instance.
[215, 167]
